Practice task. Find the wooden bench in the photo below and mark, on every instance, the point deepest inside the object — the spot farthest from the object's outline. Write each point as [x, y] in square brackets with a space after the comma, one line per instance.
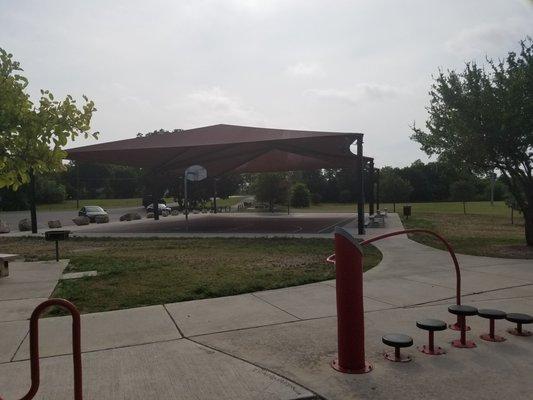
[4, 263]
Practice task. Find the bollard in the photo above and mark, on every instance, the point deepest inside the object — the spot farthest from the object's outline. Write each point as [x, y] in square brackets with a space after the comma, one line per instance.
[350, 311]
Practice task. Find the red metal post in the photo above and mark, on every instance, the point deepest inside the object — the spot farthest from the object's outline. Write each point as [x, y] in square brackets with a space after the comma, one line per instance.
[350, 311]
[34, 346]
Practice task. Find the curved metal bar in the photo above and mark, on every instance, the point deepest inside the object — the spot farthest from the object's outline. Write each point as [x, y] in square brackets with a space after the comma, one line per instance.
[331, 258]
[34, 346]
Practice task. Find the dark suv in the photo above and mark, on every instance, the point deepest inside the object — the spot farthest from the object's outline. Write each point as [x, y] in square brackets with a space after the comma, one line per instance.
[91, 212]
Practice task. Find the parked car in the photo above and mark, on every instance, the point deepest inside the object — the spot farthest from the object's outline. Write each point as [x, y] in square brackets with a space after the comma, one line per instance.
[161, 207]
[147, 200]
[92, 212]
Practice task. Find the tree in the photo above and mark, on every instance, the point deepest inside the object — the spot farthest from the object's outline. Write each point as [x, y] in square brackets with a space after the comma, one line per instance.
[393, 188]
[300, 196]
[482, 120]
[462, 191]
[270, 188]
[32, 136]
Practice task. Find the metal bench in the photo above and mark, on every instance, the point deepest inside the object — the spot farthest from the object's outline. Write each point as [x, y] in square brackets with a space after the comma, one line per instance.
[462, 312]
[431, 325]
[397, 340]
[4, 263]
[491, 315]
[519, 320]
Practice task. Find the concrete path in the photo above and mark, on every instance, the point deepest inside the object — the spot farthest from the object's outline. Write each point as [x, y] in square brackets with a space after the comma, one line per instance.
[278, 344]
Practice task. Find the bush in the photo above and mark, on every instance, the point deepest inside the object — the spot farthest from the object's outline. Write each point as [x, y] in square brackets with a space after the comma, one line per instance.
[300, 196]
[316, 198]
[48, 191]
[345, 196]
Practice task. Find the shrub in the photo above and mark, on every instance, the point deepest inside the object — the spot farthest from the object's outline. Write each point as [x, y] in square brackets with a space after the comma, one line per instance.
[300, 196]
[345, 196]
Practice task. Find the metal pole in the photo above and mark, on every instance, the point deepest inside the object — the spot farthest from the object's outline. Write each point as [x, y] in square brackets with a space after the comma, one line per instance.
[77, 185]
[33, 207]
[492, 183]
[155, 204]
[377, 189]
[186, 202]
[289, 195]
[350, 309]
[361, 184]
[371, 188]
[215, 194]
[57, 250]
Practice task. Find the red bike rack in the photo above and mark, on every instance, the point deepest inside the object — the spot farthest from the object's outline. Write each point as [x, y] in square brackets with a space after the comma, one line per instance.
[34, 346]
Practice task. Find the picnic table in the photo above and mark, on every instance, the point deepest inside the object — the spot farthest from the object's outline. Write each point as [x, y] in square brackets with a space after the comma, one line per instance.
[4, 263]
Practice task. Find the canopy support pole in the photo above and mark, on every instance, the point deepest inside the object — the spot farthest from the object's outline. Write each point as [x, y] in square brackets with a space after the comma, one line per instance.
[377, 189]
[371, 199]
[155, 203]
[361, 191]
[215, 195]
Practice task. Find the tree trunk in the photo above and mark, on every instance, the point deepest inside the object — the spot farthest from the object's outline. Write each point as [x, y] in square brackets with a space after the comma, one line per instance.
[464, 208]
[33, 208]
[528, 223]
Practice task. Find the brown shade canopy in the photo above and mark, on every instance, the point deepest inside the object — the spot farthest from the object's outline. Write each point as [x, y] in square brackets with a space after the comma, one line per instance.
[227, 148]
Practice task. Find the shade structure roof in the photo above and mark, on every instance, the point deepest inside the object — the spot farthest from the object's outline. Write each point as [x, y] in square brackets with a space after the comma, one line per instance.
[227, 148]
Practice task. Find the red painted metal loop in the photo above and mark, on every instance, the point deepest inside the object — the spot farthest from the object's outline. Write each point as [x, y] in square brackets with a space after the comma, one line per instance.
[34, 346]
[444, 241]
[331, 258]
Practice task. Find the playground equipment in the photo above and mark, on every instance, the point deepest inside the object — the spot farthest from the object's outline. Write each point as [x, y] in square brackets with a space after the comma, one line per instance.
[34, 346]
[491, 315]
[431, 325]
[348, 260]
[462, 312]
[457, 325]
[398, 341]
[350, 312]
[519, 320]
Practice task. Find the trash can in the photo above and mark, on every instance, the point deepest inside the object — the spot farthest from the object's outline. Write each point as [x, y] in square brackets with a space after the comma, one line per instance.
[407, 210]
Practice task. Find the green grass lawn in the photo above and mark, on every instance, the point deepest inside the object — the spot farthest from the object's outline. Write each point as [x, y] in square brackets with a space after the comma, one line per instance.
[140, 272]
[68, 205]
[474, 207]
[475, 234]
[486, 230]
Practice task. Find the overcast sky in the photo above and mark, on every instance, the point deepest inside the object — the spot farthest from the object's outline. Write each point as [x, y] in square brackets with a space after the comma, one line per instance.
[356, 66]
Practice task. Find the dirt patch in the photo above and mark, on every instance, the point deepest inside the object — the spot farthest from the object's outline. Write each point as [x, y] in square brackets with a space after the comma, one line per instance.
[516, 251]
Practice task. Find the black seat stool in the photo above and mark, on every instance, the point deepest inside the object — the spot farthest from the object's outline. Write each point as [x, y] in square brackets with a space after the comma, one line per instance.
[491, 315]
[462, 312]
[519, 319]
[431, 325]
[397, 340]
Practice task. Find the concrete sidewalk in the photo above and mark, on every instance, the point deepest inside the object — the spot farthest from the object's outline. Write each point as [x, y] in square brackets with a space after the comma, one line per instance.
[277, 344]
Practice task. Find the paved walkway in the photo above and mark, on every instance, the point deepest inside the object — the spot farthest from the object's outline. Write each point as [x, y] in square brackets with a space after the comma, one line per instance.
[278, 344]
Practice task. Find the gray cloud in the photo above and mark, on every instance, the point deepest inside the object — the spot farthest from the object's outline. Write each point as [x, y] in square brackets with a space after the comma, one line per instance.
[362, 66]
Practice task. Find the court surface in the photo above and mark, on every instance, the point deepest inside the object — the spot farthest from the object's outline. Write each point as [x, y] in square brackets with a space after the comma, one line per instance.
[236, 223]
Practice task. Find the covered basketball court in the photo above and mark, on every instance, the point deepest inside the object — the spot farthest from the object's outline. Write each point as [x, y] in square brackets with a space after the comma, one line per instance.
[224, 149]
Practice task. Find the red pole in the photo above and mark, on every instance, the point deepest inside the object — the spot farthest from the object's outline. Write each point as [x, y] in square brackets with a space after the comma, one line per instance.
[350, 311]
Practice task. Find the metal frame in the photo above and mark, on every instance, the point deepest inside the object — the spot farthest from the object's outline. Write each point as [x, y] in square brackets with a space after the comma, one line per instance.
[34, 347]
